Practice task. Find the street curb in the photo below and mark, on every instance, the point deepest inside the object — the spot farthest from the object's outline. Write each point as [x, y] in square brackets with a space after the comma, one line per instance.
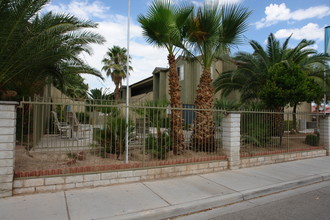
[181, 209]
[278, 187]
[221, 200]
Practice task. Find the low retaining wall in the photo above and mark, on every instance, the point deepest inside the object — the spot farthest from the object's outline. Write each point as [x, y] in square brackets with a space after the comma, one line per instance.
[279, 158]
[49, 184]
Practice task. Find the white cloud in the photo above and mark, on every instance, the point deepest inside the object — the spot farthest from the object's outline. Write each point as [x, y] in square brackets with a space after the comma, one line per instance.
[81, 9]
[310, 31]
[221, 2]
[114, 28]
[312, 12]
[276, 13]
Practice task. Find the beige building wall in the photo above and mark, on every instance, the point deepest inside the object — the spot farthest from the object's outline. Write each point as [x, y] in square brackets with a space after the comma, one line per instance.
[192, 73]
[58, 97]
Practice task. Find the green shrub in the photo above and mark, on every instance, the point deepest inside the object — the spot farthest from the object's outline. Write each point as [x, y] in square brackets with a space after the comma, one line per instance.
[313, 140]
[158, 147]
[256, 129]
[112, 138]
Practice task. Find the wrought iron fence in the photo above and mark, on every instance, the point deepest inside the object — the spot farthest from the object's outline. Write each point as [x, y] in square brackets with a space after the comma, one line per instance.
[58, 137]
[266, 132]
[71, 136]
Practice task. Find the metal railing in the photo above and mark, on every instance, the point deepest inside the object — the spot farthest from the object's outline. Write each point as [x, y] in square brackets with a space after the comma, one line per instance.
[266, 132]
[57, 137]
[61, 137]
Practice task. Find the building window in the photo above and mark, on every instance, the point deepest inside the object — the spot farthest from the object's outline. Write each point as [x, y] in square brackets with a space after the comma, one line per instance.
[180, 71]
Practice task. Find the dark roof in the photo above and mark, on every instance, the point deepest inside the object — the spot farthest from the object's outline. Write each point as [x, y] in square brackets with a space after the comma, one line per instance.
[144, 81]
[159, 69]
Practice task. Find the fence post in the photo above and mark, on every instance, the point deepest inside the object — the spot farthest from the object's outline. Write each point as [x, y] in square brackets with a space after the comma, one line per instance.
[231, 139]
[7, 146]
[325, 133]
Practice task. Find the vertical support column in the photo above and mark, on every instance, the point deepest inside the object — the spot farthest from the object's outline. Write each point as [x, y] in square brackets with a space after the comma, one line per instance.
[325, 133]
[231, 139]
[7, 146]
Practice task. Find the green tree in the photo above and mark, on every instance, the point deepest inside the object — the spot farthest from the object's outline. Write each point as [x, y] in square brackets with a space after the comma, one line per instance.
[162, 27]
[287, 85]
[253, 69]
[36, 50]
[211, 31]
[115, 65]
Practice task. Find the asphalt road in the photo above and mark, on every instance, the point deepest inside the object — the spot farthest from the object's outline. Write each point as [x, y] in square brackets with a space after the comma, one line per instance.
[309, 202]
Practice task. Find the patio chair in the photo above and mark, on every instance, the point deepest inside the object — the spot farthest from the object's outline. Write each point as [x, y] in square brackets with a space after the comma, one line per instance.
[62, 127]
[77, 127]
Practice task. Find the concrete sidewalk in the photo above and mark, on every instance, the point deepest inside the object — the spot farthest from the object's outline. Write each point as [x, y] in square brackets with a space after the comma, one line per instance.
[166, 198]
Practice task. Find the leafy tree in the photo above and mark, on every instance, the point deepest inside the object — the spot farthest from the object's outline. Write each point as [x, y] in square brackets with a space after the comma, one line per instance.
[162, 27]
[211, 30]
[38, 49]
[287, 85]
[253, 69]
[115, 65]
[252, 73]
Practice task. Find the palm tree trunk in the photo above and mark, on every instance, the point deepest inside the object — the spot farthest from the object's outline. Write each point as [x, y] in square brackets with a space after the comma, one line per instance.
[204, 128]
[176, 115]
[117, 93]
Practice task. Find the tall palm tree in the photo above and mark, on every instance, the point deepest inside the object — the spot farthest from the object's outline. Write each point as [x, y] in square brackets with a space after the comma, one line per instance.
[115, 65]
[35, 49]
[162, 27]
[211, 31]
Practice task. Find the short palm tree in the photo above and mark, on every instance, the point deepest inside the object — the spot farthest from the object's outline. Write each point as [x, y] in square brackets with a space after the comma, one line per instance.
[162, 27]
[252, 71]
[211, 31]
[115, 65]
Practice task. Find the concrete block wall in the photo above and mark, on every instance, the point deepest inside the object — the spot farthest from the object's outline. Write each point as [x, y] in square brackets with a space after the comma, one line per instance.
[51, 184]
[325, 133]
[231, 139]
[7, 146]
[279, 158]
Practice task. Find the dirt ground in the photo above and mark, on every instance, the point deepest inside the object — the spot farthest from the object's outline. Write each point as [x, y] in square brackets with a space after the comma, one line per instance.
[31, 161]
[292, 142]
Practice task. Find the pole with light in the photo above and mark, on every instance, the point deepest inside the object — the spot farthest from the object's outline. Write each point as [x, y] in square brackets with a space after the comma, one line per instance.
[127, 80]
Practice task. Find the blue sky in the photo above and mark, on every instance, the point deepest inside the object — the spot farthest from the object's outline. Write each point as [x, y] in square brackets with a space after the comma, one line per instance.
[302, 19]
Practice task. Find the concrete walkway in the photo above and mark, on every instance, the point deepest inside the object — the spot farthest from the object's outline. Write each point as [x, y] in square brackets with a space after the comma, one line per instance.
[166, 198]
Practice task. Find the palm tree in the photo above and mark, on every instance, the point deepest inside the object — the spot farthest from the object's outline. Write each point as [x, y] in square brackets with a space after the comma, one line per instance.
[115, 65]
[162, 27]
[36, 50]
[211, 31]
[99, 94]
[253, 70]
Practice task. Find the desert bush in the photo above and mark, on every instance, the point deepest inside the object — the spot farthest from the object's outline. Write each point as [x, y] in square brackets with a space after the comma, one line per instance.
[313, 140]
[158, 147]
